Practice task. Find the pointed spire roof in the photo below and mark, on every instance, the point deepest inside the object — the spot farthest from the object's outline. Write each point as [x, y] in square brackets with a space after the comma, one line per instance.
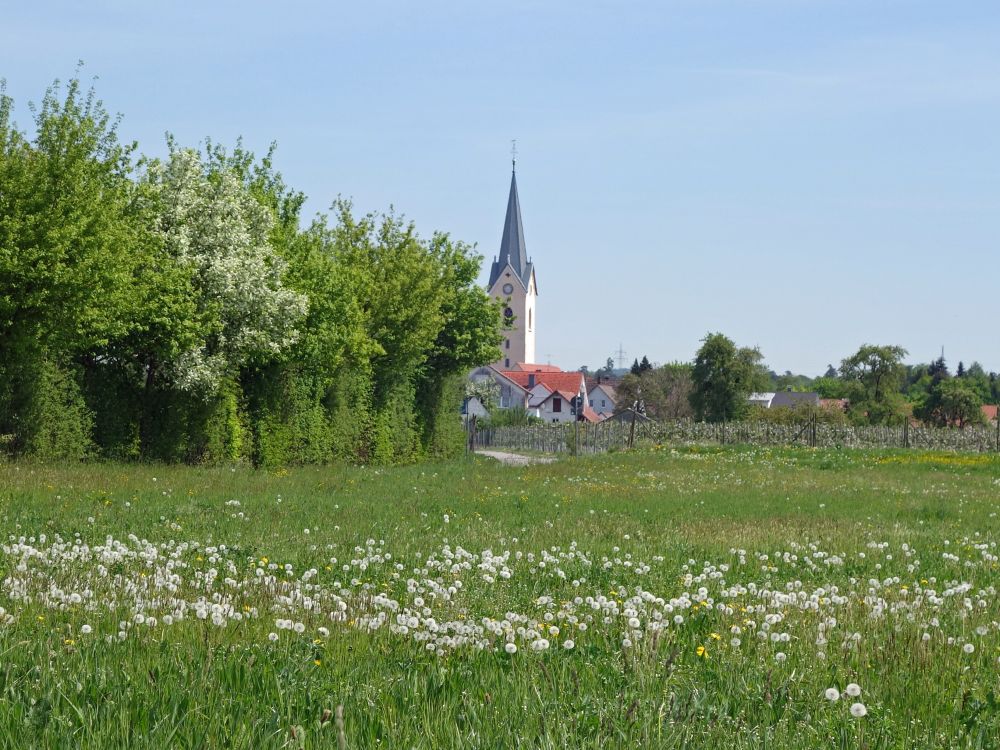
[512, 248]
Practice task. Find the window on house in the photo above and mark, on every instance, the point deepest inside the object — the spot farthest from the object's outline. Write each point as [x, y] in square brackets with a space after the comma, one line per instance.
[602, 403]
[557, 404]
[507, 343]
[591, 402]
[506, 363]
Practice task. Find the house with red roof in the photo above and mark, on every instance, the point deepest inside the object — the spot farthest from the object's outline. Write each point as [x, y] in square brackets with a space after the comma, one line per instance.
[545, 391]
[552, 392]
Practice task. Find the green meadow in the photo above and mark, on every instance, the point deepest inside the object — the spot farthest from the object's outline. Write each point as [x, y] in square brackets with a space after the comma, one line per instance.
[676, 598]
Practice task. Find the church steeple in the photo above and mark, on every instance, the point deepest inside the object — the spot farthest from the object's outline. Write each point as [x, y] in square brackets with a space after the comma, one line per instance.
[512, 247]
[512, 284]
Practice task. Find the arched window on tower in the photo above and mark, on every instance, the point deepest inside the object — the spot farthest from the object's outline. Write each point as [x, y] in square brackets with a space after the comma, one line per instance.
[529, 320]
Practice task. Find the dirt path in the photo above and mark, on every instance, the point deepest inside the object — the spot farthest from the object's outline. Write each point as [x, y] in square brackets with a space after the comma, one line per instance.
[515, 459]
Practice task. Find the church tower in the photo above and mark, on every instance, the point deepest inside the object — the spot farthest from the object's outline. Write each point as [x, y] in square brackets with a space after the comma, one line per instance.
[512, 281]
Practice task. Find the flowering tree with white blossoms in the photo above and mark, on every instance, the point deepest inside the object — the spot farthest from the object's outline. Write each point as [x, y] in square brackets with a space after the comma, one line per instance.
[211, 224]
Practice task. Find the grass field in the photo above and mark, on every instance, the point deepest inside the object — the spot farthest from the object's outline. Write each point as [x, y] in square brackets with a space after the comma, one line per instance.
[689, 598]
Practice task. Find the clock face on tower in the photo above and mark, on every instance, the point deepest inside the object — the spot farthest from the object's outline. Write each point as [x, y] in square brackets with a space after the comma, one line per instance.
[508, 288]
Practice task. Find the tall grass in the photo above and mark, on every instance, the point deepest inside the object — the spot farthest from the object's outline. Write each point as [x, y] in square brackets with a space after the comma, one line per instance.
[724, 537]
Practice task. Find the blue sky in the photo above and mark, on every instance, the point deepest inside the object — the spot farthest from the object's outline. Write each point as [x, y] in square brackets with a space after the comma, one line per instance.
[802, 175]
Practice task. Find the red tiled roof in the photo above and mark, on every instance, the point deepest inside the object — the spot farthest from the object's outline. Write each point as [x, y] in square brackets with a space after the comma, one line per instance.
[834, 403]
[990, 411]
[554, 381]
[532, 367]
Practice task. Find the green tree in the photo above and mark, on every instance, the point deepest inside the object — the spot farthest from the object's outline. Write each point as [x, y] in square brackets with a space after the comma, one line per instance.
[723, 377]
[952, 402]
[68, 251]
[469, 336]
[874, 375]
[830, 387]
[664, 390]
[977, 377]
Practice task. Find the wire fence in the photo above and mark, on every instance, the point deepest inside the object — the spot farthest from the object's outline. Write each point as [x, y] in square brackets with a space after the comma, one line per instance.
[630, 431]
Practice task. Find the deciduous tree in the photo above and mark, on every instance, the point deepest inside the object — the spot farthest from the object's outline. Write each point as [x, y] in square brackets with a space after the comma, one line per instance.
[723, 377]
[874, 375]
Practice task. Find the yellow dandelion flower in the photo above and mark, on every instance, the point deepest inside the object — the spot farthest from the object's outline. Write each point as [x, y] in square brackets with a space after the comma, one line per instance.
[702, 652]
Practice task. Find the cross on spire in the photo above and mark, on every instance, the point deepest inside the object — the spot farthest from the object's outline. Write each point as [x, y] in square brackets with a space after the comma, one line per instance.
[513, 154]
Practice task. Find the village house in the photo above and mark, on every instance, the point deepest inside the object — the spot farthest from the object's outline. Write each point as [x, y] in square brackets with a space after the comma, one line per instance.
[602, 399]
[787, 399]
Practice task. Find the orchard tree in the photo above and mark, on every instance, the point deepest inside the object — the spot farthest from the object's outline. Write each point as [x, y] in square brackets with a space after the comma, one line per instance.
[664, 390]
[874, 375]
[723, 377]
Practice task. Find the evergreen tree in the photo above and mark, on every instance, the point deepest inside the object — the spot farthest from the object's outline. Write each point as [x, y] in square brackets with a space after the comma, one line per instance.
[938, 368]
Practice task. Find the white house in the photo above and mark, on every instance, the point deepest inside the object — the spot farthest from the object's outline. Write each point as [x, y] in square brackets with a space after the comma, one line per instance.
[602, 398]
[556, 407]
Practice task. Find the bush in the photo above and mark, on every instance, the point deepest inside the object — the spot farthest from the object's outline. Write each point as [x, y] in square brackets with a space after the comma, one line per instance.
[516, 416]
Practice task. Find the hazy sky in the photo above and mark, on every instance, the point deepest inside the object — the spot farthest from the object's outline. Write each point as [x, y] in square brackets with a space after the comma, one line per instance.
[802, 175]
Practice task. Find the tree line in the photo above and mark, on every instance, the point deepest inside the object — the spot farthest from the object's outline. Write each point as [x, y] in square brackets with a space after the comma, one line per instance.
[871, 386]
[180, 309]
